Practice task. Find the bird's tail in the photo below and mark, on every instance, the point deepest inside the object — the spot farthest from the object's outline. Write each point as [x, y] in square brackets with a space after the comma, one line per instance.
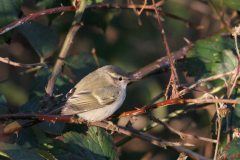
[55, 109]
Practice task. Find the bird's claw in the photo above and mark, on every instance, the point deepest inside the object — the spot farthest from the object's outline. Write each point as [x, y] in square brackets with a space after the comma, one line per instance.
[112, 126]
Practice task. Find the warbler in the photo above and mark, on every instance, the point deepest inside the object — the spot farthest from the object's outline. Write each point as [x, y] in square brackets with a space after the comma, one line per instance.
[98, 95]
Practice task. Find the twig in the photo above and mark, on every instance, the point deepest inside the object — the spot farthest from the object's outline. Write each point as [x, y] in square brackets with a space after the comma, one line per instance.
[218, 15]
[7, 60]
[180, 19]
[95, 57]
[144, 5]
[58, 66]
[174, 78]
[184, 91]
[136, 12]
[181, 134]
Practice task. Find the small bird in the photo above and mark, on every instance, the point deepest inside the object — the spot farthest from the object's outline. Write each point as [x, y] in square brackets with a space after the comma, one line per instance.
[98, 95]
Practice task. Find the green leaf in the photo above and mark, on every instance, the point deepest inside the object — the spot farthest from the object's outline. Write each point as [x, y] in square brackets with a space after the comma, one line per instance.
[97, 144]
[231, 150]
[37, 91]
[82, 64]
[16, 152]
[45, 154]
[228, 3]
[211, 56]
[3, 105]
[43, 39]
[10, 11]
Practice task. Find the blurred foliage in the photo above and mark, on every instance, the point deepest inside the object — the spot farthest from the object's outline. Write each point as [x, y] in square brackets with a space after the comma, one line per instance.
[120, 40]
[38, 36]
[226, 3]
[13, 151]
[3, 105]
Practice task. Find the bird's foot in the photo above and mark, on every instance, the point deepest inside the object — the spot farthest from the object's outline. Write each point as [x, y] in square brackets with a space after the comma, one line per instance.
[78, 120]
[112, 127]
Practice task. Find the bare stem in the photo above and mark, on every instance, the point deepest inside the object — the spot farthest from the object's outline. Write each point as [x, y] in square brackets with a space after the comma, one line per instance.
[174, 78]
[181, 134]
[7, 60]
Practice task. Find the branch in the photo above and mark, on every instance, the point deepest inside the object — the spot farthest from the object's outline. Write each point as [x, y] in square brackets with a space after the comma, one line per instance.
[7, 60]
[160, 65]
[17, 126]
[171, 102]
[67, 119]
[95, 6]
[180, 19]
[181, 134]
[67, 43]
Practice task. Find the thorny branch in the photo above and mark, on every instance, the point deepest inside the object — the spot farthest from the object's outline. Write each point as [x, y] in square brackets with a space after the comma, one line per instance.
[68, 119]
[174, 77]
[95, 6]
[173, 101]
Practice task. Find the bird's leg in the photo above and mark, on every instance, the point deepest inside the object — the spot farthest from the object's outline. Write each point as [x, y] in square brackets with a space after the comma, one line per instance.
[112, 126]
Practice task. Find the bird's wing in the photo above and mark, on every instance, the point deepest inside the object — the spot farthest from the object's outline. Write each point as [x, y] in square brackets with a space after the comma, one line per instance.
[86, 101]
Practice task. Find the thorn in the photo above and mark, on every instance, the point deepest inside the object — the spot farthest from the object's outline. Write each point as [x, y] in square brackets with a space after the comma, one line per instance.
[188, 42]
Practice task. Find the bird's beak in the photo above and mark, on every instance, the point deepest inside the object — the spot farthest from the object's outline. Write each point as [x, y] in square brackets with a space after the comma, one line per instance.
[132, 80]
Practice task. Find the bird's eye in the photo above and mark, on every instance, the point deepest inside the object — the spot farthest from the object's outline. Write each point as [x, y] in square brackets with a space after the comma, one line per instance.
[120, 78]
